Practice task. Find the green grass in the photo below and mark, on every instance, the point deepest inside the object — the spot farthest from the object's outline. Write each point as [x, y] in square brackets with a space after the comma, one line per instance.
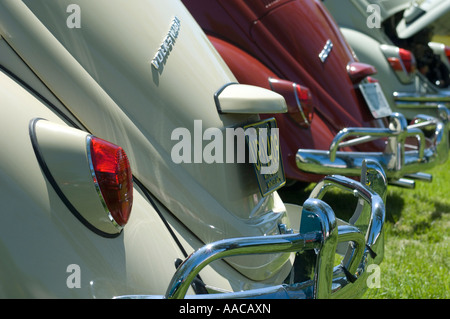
[417, 237]
[417, 254]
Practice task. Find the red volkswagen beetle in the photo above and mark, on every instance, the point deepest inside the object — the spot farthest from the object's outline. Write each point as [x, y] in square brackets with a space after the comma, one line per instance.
[296, 49]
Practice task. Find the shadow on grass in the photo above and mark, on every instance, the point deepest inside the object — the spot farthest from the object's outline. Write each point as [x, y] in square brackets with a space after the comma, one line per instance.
[440, 209]
[296, 194]
[394, 207]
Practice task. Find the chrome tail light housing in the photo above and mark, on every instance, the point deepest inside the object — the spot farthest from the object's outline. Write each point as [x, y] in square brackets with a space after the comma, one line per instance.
[91, 176]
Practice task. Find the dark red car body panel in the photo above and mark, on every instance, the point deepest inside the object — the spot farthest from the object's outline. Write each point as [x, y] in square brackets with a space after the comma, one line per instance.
[259, 39]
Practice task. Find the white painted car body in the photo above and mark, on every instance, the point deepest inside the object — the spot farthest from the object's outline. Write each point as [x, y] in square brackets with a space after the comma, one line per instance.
[63, 82]
[414, 93]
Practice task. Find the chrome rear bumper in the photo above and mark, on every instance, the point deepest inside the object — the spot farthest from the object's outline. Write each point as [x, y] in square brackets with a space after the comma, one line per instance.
[401, 166]
[421, 101]
[315, 248]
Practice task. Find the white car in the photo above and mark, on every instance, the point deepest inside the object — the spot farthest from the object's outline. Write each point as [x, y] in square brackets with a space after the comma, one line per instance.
[102, 195]
[378, 32]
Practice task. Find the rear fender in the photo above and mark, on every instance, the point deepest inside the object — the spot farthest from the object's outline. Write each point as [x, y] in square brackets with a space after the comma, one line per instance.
[256, 73]
[42, 241]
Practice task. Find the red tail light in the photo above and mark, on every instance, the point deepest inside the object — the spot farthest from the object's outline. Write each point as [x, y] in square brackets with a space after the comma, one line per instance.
[395, 63]
[304, 103]
[114, 178]
[447, 52]
[408, 60]
[405, 61]
[298, 99]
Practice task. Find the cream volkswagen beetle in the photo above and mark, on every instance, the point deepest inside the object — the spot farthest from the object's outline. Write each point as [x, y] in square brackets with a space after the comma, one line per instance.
[370, 25]
[100, 195]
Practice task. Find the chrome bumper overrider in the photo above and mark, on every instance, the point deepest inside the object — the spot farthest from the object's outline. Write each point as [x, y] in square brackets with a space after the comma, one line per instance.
[359, 241]
[401, 166]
